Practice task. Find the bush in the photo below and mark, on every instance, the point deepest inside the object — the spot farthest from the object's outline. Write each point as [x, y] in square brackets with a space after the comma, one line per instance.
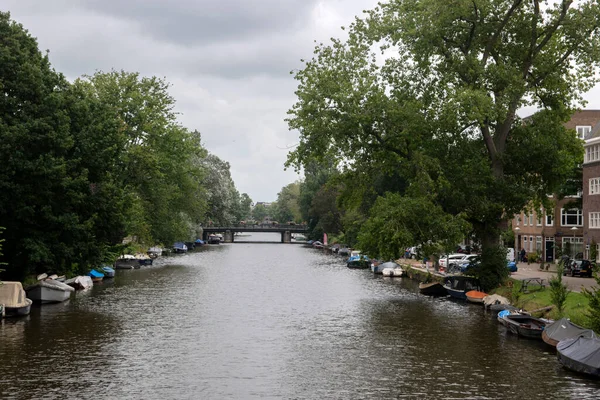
[558, 291]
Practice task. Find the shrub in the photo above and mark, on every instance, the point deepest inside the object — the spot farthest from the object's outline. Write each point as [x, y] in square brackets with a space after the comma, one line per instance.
[558, 291]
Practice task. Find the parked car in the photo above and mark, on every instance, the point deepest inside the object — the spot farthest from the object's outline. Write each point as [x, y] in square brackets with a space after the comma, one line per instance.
[579, 268]
[474, 261]
[451, 260]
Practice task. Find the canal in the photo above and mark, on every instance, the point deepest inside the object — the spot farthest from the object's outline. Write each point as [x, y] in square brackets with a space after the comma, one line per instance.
[270, 321]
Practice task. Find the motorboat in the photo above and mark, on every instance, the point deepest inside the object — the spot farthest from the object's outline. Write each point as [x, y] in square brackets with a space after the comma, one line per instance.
[358, 261]
[391, 269]
[14, 299]
[564, 329]
[199, 242]
[213, 239]
[144, 259]
[457, 286]
[180, 247]
[49, 291]
[155, 251]
[580, 354]
[127, 261]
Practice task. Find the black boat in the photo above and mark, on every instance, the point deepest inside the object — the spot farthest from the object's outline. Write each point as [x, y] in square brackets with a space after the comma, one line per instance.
[564, 329]
[580, 354]
[432, 289]
[458, 285]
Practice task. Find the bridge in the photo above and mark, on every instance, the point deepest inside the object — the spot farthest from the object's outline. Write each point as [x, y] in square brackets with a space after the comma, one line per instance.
[228, 231]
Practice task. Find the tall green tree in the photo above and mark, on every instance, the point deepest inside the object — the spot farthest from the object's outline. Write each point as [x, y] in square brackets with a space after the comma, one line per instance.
[432, 92]
[286, 207]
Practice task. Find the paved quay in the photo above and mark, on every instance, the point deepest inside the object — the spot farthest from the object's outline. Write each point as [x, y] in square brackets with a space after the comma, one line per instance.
[532, 270]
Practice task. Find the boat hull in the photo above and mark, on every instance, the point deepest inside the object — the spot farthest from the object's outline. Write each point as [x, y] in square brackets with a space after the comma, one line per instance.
[127, 264]
[358, 264]
[47, 294]
[580, 354]
[18, 311]
[525, 326]
[432, 289]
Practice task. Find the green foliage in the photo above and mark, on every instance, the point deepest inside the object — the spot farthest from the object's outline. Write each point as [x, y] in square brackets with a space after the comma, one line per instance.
[260, 212]
[287, 207]
[492, 269]
[439, 110]
[593, 296]
[558, 290]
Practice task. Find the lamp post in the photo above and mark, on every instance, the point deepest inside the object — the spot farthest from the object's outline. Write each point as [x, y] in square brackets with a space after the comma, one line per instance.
[517, 250]
[573, 230]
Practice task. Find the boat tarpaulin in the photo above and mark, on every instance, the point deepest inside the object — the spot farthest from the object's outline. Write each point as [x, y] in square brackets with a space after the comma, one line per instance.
[580, 354]
[564, 329]
[12, 294]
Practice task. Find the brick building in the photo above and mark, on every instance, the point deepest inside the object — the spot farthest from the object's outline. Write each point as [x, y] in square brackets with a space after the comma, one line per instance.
[543, 231]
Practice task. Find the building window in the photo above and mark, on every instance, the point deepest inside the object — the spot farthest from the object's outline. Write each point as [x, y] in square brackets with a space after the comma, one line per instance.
[583, 131]
[592, 153]
[595, 220]
[518, 220]
[575, 245]
[539, 216]
[549, 220]
[524, 219]
[538, 244]
[530, 243]
[594, 186]
[531, 219]
[525, 243]
[572, 217]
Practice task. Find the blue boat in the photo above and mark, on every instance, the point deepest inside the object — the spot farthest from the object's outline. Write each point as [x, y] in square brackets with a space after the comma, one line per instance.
[96, 276]
[180, 247]
[458, 286]
[199, 242]
[358, 262]
[108, 271]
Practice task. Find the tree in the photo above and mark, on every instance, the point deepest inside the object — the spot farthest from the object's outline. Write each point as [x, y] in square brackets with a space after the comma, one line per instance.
[260, 212]
[223, 197]
[558, 290]
[286, 207]
[439, 105]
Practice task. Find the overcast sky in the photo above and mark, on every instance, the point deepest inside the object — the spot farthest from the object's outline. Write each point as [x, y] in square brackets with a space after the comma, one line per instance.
[228, 61]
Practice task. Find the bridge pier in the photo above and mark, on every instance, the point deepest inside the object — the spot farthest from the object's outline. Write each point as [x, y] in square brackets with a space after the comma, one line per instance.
[228, 238]
[286, 237]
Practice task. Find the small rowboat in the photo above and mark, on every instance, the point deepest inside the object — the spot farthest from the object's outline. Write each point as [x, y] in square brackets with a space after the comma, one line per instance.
[475, 296]
[96, 276]
[525, 325]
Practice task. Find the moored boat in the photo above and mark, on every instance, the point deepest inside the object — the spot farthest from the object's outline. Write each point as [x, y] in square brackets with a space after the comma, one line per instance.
[580, 354]
[524, 325]
[199, 242]
[475, 296]
[213, 239]
[49, 291]
[127, 261]
[14, 299]
[564, 329]
[108, 271]
[358, 261]
[432, 289]
[180, 247]
[154, 251]
[344, 251]
[391, 269]
[144, 259]
[96, 276]
[457, 286]
[80, 282]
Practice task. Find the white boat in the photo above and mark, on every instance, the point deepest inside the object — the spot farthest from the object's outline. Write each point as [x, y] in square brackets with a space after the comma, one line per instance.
[393, 272]
[12, 296]
[81, 282]
[127, 261]
[155, 251]
[49, 291]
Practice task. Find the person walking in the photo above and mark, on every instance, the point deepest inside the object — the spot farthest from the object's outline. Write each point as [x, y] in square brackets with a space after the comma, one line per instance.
[522, 255]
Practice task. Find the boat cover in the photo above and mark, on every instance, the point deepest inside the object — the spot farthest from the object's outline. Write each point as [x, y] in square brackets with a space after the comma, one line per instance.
[108, 270]
[495, 299]
[358, 258]
[565, 329]
[96, 274]
[52, 284]
[580, 354]
[12, 294]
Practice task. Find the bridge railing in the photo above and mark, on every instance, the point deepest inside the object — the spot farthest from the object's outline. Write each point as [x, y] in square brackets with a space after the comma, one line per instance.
[257, 226]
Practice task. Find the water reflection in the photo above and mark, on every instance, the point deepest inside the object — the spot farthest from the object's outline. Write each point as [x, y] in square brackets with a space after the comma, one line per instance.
[270, 321]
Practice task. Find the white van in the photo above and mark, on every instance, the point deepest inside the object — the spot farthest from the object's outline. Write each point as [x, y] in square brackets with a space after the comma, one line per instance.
[510, 254]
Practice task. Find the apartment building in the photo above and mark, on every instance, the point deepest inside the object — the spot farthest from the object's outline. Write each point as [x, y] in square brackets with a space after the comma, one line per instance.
[543, 231]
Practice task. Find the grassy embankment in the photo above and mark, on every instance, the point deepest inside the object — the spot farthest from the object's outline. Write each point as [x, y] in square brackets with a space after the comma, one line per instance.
[536, 298]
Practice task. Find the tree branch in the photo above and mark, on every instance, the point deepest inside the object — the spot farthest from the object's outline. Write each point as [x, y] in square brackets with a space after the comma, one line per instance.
[563, 13]
[494, 39]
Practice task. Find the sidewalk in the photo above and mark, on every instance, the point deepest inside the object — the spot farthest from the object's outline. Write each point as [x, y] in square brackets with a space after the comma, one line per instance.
[531, 270]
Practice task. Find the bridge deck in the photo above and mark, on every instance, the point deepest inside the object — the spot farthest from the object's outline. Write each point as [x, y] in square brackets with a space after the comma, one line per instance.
[257, 228]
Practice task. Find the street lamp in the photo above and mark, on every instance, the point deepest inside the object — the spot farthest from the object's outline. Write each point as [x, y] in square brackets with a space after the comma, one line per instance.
[517, 229]
[573, 230]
